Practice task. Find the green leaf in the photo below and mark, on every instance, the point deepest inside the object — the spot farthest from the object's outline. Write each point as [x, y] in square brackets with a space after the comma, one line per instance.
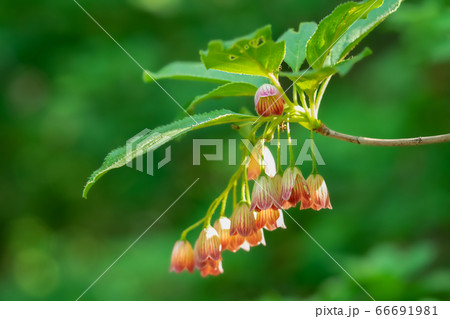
[195, 71]
[228, 89]
[296, 44]
[309, 80]
[159, 136]
[254, 54]
[345, 27]
[361, 28]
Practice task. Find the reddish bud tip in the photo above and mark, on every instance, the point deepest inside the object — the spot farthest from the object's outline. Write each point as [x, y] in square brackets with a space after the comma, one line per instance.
[268, 101]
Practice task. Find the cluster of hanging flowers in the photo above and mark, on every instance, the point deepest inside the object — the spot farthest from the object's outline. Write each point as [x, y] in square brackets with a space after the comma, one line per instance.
[273, 192]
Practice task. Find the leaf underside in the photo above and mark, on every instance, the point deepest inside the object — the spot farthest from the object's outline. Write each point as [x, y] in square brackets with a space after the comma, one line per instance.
[160, 136]
[196, 71]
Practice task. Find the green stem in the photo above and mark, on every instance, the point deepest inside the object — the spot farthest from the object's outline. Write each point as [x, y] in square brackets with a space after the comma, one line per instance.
[303, 100]
[311, 106]
[291, 153]
[212, 210]
[224, 194]
[217, 201]
[294, 94]
[234, 194]
[314, 165]
[320, 95]
[265, 130]
[278, 150]
[224, 204]
[193, 226]
[277, 84]
[254, 130]
[243, 188]
[247, 188]
[270, 130]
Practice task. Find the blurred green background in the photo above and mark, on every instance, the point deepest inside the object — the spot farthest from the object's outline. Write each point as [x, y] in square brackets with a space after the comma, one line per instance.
[69, 95]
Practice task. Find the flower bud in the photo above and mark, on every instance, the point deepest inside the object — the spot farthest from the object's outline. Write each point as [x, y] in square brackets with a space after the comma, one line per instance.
[319, 197]
[268, 101]
[242, 221]
[182, 257]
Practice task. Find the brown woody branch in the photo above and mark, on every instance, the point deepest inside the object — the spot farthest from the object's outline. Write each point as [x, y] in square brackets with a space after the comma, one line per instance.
[325, 131]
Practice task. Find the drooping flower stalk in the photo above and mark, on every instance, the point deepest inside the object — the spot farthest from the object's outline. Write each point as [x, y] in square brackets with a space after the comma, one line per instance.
[291, 152]
[278, 150]
[193, 226]
[313, 156]
[273, 191]
[224, 205]
[221, 197]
